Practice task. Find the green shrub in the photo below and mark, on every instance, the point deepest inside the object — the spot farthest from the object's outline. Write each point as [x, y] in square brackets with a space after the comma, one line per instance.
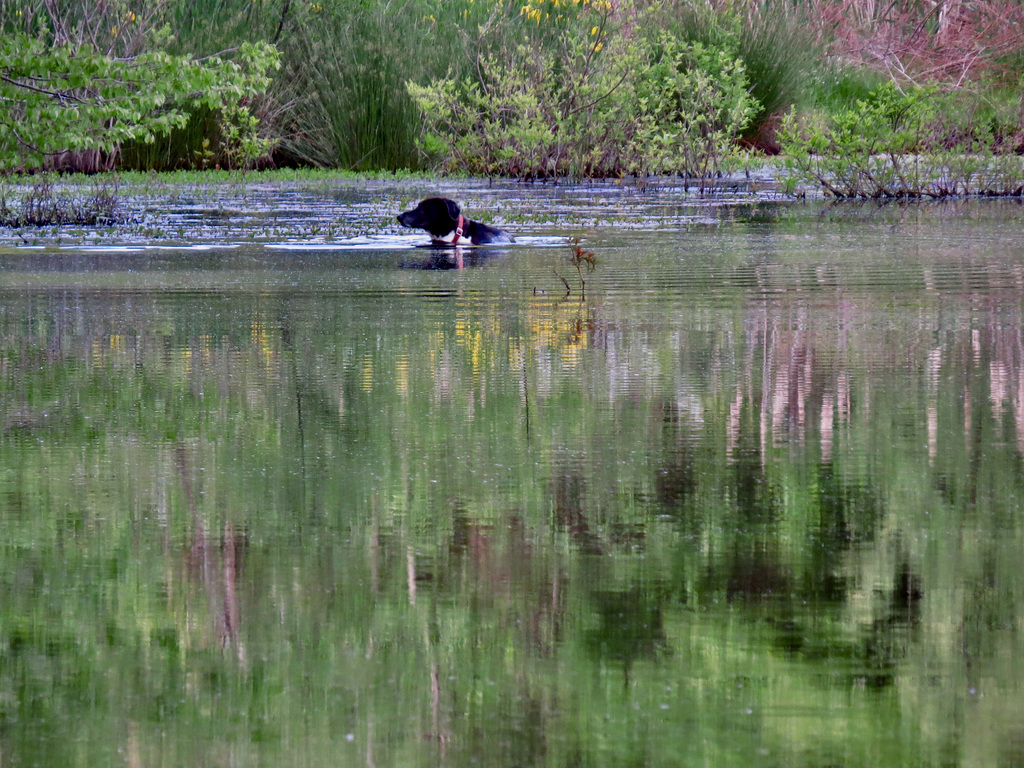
[772, 39]
[693, 103]
[894, 144]
[529, 118]
[588, 98]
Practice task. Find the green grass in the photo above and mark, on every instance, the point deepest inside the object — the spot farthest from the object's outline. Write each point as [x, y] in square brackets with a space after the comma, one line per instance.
[340, 99]
[346, 74]
[837, 86]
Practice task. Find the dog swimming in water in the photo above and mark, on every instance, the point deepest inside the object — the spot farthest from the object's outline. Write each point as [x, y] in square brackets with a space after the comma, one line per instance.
[446, 224]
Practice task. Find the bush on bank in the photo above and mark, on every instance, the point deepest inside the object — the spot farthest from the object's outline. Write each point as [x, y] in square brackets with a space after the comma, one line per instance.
[69, 97]
[529, 88]
[513, 88]
[905, 143]
[340, 99]
[647, 106]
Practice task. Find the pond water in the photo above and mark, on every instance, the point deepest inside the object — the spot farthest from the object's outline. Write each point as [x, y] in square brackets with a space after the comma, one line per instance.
[289, 494]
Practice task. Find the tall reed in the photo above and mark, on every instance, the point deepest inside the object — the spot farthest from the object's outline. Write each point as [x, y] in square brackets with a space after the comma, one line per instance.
[347, 71]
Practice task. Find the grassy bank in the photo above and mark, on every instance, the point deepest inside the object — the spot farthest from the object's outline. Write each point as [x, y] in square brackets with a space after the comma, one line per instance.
[550, 88]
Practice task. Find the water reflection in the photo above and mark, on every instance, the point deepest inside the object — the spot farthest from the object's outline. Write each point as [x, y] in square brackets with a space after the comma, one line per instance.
[753, 501]
[457, 257]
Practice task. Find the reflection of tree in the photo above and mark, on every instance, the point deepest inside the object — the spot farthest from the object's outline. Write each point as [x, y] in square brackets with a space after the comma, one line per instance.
[630, 627]
[571, 509]
[813, 472]
[888, 640]
[213, 564]
[677, 480]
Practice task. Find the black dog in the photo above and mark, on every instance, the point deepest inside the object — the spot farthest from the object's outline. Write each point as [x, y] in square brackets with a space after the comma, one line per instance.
[441, 217]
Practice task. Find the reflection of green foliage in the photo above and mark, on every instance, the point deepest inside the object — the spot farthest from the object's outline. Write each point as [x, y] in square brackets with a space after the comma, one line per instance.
[630, 627]
[447, 531]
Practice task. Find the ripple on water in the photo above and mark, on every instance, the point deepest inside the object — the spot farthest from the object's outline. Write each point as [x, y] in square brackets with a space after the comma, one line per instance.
[755, 500]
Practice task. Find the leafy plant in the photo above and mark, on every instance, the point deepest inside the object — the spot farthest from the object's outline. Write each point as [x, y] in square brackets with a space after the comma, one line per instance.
[694, 103]
[592, 99]
[772, 40]
[899, 144]
[546, 107]
[61, 98]
[581, 259]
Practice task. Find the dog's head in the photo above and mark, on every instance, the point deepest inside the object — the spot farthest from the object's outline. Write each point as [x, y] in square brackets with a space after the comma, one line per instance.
[437, 215]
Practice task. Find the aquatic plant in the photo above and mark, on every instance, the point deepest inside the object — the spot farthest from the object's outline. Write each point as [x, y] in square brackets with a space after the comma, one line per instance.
[581, 259]
[46, 203]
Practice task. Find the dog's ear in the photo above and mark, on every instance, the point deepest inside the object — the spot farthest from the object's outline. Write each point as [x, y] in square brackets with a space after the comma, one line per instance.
[453, 209]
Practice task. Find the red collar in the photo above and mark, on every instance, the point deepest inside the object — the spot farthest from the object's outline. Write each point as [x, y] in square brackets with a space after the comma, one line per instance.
[458, 229]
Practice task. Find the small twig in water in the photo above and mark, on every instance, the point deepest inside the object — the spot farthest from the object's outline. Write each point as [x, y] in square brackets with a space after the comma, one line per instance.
[568, 289]
[578, 257]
